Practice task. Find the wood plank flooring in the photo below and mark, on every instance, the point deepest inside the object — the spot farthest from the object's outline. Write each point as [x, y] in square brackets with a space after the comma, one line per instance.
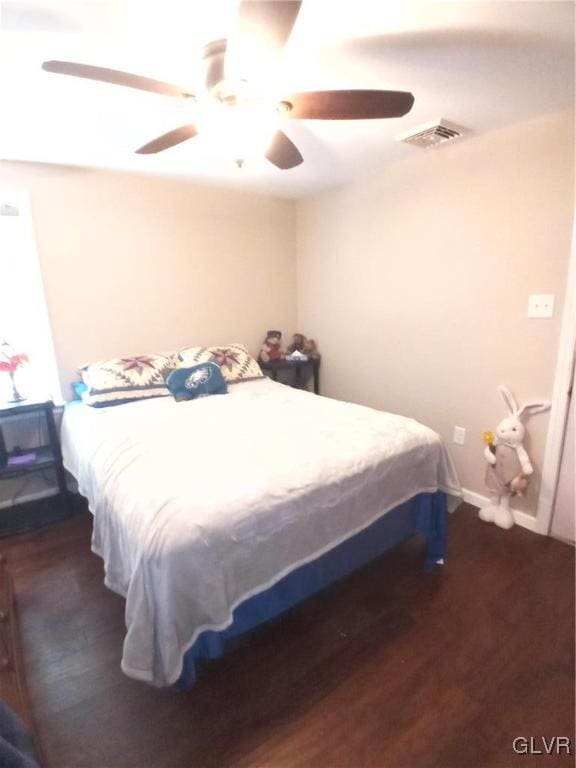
[392, 668]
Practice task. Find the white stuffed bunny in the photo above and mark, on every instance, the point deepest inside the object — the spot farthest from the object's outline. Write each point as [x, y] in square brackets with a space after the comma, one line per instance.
[509, 466]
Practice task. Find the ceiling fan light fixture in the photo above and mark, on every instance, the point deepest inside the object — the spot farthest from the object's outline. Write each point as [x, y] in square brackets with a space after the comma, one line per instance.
[236, 129]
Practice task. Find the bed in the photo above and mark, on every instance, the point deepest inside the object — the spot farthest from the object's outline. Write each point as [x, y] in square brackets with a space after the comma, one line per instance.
[214, 515]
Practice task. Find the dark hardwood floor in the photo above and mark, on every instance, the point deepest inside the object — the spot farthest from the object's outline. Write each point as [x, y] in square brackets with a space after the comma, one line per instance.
[391, 668]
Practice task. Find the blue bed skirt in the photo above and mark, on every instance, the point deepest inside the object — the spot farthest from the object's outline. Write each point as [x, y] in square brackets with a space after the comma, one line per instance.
[425, 515]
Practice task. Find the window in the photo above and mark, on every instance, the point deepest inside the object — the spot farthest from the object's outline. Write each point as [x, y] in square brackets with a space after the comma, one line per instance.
[24, 321]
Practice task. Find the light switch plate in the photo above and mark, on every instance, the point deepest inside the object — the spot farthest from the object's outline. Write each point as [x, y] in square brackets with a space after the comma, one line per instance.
[459, 435]
[541, 305]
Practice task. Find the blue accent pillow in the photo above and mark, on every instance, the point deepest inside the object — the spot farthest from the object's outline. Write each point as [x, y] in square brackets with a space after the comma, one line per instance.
[196, 381]
[79, 389]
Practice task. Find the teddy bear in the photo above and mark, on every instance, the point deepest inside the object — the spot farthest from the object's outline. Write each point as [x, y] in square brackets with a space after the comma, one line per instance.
[509, 466]
[310, 349]
[297, 345]
[271, 349]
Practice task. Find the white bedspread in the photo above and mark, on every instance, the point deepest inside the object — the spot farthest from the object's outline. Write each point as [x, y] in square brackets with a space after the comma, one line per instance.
[199, 505]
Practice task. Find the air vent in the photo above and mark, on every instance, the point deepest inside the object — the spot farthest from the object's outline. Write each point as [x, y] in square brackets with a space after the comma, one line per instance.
[432, 134]
[6, 209]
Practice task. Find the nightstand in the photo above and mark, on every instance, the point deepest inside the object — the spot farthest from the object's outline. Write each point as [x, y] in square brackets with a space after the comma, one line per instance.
[300, 367]
[37, 459]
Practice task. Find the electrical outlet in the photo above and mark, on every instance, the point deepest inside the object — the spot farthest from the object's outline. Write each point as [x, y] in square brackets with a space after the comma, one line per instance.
[459, 435]
[541, 305]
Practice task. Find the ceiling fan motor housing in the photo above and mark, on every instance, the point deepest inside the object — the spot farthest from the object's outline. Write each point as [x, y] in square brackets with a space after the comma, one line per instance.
[213, 64]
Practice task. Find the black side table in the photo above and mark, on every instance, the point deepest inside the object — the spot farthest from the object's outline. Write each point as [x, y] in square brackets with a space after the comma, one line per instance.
[39, 458]
[299, 366]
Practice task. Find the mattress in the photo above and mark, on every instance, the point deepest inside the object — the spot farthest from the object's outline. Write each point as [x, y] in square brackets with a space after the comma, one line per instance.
[200, 505]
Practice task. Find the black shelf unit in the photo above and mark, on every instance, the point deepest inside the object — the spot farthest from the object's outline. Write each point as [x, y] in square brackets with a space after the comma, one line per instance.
[45, 457]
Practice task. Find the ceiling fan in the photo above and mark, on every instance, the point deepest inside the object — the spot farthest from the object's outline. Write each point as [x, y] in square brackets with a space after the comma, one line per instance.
[264, 26]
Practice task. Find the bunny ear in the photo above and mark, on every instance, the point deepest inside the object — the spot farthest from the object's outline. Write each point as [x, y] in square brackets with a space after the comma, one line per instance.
[535, 407]
[508, 398]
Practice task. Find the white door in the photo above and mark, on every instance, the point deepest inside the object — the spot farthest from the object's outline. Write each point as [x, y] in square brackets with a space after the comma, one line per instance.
[564, 515]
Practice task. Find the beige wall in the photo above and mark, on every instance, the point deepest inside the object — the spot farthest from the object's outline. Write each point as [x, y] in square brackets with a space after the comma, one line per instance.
[134, 264]
[415, 282]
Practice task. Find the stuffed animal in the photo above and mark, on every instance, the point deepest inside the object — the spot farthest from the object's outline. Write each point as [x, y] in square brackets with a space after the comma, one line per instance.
[298, 341]
[310, 349]
[509, 466]
[271, 349]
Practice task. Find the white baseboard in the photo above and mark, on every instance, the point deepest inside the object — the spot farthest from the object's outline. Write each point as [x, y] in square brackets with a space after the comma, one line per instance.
[523, 519]
[476, 499]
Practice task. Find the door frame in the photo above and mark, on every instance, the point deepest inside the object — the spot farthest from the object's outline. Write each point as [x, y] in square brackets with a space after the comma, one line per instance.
[560, 399]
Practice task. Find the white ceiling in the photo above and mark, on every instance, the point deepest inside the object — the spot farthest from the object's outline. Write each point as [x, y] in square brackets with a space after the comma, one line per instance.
[481, 65]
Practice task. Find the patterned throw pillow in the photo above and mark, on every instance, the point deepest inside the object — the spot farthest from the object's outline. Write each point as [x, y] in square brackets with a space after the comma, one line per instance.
[235, 362]
[122, 379]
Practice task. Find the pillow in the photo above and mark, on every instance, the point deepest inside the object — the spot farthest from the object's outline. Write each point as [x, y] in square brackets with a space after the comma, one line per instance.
[235, 362]
[122, 379]
[196, 381]
[79, 389]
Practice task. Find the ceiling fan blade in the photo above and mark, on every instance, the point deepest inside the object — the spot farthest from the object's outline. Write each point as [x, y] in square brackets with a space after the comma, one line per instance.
[272, 19]
[259, 34]
[114, 76]
[283, 153]
[167, 140]
[348, 105]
